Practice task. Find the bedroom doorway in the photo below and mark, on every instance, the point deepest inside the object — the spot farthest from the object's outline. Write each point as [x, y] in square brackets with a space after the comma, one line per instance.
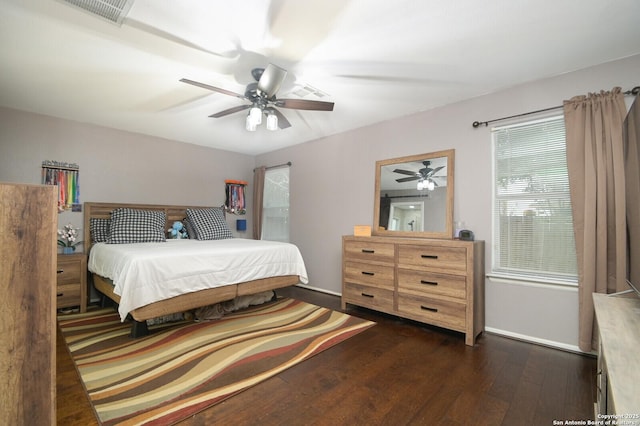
[275, 205]
[406, 216]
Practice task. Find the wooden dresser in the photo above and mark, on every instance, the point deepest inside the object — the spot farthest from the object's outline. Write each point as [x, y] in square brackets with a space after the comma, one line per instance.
[28, 219]
[438, 282]
[71, 290]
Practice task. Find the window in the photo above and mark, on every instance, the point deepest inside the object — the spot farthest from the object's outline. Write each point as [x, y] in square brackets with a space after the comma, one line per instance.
[275, 205]
[532, 220]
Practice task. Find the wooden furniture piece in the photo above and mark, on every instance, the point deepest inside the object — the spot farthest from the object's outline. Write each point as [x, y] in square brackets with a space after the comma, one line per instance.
[618, 378]
[180, 303]
[28, 219]
[438, 282]
[71, 287]
[397, 191]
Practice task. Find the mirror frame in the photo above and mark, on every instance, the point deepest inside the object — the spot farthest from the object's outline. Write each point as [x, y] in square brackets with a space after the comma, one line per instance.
[447, 233]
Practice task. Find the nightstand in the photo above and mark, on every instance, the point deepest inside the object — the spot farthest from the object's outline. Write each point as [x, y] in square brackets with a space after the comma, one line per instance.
[71, 288]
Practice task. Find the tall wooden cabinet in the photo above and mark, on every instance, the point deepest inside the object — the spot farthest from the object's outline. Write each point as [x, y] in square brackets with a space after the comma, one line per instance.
[438, 282]
[28, 224]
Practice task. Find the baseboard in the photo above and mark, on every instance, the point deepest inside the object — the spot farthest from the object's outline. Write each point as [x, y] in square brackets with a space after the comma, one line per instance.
[537, 341]
[509, 334]
[319, 290]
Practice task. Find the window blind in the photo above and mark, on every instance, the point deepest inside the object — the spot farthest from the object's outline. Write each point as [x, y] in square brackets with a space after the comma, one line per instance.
[532, 218]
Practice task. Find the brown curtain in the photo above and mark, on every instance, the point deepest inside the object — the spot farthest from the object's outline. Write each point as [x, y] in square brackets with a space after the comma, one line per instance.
[595, 161]
[258, 193]
[632, 169]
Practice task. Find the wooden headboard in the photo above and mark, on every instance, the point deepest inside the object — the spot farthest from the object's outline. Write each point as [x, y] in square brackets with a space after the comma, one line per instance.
[103, 210]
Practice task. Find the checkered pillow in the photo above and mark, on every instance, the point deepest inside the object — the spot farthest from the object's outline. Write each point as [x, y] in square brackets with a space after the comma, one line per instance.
[191, 234]
[136, 226]
[99, 229]
[209, 224]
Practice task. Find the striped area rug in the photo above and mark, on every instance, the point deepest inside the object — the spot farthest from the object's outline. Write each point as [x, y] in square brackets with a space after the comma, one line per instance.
[183, 368]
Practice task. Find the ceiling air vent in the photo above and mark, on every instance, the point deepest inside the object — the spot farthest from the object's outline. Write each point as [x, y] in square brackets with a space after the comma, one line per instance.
[112, 10]
[306, 90]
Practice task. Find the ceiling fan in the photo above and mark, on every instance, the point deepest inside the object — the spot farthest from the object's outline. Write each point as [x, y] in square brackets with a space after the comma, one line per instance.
[262, 97]
[425, 176]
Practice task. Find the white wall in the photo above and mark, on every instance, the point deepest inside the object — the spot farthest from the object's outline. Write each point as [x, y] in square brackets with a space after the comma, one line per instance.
[332, 185]
[117, 166]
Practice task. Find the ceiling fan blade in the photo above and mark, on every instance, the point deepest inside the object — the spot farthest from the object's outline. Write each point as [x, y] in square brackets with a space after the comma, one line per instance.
[434, 171]
[299, 28]
[157, 32]
[215, 89]
[408, 179]
[283, 123]
[405, 172]
[271, 80]
[411, 72]
[305, 104]
[230, 111]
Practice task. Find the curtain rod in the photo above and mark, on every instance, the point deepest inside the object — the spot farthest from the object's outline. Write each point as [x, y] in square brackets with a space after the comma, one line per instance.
[635, 92]
[288, 163]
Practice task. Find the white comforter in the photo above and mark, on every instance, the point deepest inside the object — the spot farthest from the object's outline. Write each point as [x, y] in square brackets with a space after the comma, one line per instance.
[144, 273]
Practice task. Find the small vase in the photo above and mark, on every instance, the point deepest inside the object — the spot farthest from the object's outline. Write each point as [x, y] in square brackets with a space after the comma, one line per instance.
[68, 250]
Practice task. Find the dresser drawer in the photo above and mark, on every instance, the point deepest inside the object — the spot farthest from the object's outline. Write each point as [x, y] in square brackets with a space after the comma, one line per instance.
[436, 258]
[68, 295]
[369, 297]
[443, 313]
[438, 282]
[71, 281]
[369, 251]
[423, 283]
[369, 274]
[69, 271]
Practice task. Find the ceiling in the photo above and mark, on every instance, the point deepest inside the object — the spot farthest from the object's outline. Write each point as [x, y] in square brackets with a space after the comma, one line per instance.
[376, 60]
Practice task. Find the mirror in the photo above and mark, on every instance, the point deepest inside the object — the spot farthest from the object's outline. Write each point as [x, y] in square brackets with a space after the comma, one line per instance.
[414, 196]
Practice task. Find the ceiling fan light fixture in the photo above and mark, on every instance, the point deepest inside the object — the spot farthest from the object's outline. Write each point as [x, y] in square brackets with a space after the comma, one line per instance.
[249, 125]
[426, 184]
[255, 115]
[261, 97]
[272, 122]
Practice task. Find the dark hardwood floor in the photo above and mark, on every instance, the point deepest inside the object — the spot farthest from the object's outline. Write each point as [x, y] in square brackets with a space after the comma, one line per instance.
[395, 373]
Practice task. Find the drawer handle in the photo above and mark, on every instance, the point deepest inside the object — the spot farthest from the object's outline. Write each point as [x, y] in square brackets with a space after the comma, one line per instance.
[60, 294]
[368, 251]
[426, 308]
[428, 282]
[429, 256]
[368, 273]
[367, 295]
[59, 271]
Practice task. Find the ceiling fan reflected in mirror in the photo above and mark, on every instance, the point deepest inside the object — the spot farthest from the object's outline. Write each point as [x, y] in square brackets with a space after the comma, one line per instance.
[425, 176]
[263, 101]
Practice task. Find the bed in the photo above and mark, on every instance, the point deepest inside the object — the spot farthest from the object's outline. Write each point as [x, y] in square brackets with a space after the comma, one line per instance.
[221, 286]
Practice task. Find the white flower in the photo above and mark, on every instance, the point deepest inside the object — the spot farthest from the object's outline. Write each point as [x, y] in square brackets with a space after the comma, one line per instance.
[67, 236]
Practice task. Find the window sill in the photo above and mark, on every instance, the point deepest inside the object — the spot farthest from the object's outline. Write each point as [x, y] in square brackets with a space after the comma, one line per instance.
[532, 280]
